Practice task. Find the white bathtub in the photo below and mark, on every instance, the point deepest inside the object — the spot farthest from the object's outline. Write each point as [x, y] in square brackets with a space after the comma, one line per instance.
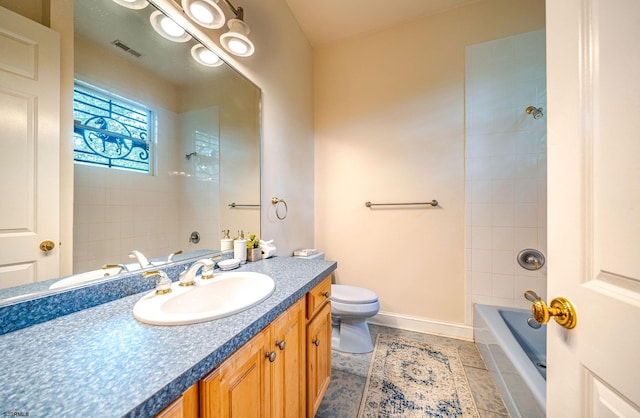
[515, 355]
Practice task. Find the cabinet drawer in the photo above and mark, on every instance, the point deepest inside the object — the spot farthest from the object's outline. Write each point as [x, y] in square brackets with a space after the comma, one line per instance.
[318, 296]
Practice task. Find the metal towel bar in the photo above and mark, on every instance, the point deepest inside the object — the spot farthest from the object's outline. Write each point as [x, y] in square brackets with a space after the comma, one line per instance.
[432, 203]
[238, 205]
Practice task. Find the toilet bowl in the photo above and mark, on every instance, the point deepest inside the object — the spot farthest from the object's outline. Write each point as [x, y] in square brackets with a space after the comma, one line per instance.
[350, 308]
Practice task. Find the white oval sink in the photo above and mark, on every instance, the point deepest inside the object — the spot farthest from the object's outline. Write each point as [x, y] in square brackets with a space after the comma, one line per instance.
[85, 277]
[224, 295]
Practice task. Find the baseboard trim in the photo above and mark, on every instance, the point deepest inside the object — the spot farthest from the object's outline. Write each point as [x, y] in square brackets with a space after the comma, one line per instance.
[419, 324]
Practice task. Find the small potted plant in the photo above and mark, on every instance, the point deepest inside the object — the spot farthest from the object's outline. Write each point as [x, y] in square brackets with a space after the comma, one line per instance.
[254, 252]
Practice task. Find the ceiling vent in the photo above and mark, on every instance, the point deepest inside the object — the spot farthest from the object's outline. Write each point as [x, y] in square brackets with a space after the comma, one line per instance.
[124, 47]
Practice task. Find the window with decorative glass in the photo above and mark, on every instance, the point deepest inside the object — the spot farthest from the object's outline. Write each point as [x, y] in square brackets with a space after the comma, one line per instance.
[111, 131]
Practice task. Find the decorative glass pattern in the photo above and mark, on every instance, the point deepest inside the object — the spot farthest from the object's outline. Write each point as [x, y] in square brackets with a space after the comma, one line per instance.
[110, 131]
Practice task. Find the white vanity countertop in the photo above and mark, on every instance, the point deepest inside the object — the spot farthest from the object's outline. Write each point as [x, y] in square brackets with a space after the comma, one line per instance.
[101, 362]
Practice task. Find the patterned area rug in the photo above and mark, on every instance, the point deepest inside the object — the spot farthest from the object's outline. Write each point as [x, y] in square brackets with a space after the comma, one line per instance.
[414, 379]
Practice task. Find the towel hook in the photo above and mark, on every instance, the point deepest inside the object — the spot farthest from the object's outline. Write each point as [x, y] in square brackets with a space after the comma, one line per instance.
[276, 201]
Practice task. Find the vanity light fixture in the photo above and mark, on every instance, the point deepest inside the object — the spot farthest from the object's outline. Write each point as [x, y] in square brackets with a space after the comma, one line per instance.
[205, 57]
[133, 4]
[235, 40]
[167, 28]
[206, 13]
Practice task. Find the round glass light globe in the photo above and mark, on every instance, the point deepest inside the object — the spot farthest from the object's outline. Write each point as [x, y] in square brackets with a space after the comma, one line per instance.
[171, 27]
[201, 12]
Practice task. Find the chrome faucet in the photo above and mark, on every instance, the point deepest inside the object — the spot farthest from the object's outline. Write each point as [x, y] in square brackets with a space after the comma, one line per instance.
[142, 260]
[188, 277]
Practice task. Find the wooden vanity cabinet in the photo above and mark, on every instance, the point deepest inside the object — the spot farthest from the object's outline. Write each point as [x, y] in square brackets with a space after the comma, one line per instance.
[318, 345]
[186, 406]
[318, 297]
[265, 377]
[241, 385]
[288, 374]
[282, 372]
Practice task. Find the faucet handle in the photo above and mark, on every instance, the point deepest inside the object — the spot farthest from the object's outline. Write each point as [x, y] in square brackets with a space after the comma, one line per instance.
[207, 272]
[531, 296]
[163, 284]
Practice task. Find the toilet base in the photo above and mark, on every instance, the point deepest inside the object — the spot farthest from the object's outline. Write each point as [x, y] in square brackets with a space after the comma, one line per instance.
[351, 336]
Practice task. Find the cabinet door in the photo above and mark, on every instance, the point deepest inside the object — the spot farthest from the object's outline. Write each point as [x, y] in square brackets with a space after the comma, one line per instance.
[288, 388]
[241, 386]
[318, 358]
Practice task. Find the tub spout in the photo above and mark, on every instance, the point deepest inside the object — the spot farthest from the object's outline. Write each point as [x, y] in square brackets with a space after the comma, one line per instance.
[533, 323]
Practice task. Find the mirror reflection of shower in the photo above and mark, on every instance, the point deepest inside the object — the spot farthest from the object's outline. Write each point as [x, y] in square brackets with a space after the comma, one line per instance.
[535, 111]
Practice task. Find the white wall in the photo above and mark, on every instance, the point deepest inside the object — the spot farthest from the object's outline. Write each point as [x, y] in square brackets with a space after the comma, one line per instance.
[505, 168]
[390, 121]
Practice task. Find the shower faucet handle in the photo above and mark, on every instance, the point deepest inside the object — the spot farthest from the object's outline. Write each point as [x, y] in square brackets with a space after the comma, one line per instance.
[531, 296]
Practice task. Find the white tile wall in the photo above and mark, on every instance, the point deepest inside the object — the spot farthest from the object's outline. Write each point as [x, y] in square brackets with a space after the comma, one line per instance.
[506, 168]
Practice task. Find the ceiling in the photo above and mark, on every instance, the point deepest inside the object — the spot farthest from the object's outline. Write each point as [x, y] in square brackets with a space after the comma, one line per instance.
[329, 21]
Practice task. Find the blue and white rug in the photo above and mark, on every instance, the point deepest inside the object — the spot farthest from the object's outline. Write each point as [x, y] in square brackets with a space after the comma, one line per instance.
[414, 379]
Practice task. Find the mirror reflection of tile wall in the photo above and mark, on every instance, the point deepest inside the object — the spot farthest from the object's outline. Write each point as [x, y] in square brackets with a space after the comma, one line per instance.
[117, 211]
[505, 169]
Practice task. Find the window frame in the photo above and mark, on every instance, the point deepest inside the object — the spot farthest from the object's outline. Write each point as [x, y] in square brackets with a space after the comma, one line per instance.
[110, 95]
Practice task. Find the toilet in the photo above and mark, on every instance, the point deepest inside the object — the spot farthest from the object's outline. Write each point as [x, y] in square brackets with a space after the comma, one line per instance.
[350, 308]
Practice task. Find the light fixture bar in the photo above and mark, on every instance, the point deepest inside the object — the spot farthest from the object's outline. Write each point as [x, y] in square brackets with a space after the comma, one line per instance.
[239, 11]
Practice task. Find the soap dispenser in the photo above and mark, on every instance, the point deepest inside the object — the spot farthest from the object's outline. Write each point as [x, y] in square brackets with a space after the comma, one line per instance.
[240, 248]
[226, 243]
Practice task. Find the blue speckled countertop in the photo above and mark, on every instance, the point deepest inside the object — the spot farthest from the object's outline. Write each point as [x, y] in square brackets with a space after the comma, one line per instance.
[101, 362]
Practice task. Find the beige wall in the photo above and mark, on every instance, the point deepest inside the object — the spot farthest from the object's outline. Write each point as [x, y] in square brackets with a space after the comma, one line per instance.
[36, 10]
[389, 125]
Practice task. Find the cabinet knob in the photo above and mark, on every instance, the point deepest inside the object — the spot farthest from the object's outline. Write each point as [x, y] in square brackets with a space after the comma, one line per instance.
[271, 355]
[316, 342]
[281, 344]
[326, 294]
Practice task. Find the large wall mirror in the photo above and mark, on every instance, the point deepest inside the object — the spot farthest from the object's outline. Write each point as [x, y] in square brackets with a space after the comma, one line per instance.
[192, 168]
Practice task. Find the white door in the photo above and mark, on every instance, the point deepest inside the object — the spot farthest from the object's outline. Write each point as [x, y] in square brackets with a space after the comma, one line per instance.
[29, 149]
[593, 67]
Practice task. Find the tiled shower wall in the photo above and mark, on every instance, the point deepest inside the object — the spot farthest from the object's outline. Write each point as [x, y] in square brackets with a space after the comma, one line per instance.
[505, 169]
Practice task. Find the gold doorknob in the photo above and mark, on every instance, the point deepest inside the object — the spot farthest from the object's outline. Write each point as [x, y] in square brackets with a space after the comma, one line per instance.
[47, 246]
[561, 309]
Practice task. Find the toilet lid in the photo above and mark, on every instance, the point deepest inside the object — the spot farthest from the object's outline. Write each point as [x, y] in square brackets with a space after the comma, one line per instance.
[352, 294]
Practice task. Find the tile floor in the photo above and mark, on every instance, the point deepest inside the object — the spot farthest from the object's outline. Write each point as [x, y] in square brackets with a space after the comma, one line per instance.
[349, 374]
